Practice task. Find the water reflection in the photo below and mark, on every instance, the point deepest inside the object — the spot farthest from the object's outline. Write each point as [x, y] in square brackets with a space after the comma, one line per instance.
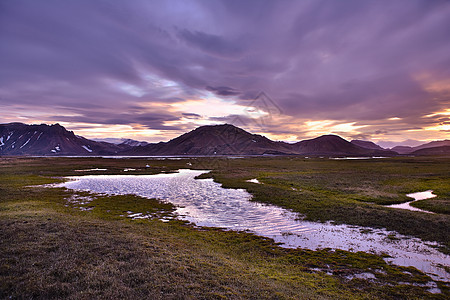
[416, 196]
[205, 203]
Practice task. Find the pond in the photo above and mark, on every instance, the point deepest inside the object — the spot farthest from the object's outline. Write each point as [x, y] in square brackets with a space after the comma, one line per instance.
[205, 203]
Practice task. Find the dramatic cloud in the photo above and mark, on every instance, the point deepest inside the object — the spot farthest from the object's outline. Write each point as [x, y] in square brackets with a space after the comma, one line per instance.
[377, 70]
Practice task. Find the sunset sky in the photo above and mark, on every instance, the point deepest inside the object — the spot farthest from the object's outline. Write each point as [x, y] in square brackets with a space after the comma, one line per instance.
[290, 70]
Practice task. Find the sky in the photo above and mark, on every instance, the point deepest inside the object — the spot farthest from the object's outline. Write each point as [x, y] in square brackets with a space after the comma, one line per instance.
[290, 70]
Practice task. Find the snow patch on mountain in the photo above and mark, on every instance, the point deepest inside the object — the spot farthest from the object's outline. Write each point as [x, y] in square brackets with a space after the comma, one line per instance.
[25, 143]
[86, 148]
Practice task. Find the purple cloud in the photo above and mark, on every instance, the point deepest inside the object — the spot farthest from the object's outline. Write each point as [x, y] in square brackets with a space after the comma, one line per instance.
[348, 61]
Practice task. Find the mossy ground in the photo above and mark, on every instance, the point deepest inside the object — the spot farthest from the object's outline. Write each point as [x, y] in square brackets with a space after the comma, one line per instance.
[50, 249]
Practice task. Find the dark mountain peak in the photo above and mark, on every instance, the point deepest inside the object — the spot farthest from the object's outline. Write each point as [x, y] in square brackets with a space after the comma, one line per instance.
[332, 145]
[328, 137]
[225, 125]
[216, 134]
[221, 128]
[224, 139]
[43, 139]
[56, 125]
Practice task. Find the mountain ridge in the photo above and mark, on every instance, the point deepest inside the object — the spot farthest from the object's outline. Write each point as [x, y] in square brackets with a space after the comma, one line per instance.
[225, 139]
[411, 150]
[43, 139]
[367, 144]
[329, 144]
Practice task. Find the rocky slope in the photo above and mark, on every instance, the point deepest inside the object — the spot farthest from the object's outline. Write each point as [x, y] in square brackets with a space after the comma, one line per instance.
[333, 145]
[216, 140]
[21, 139]
[367, 144]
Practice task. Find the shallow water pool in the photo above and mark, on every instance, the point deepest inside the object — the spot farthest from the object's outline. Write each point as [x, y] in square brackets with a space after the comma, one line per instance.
[205, 203]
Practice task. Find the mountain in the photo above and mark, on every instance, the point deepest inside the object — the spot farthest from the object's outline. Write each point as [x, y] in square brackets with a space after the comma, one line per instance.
[403, 149]
[118, 141]
[133, 143]
[411, 150]
[333, 145]
[408, 143]
[366, 144]
[21, 139]
[440, 150]
[215, 140]
[433, 144]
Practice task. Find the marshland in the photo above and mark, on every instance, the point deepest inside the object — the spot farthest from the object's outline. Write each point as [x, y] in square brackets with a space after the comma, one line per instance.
[59, 241]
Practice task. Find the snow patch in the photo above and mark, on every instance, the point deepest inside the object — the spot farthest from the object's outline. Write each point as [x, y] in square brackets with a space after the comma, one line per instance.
[39, 136]
[86, 148]
[254, 180]
[25, 143]
[1, 141]
[57, 149]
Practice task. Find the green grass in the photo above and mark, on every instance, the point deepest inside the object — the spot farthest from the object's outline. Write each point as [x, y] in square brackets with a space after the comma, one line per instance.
[49, 248]
[441, 206]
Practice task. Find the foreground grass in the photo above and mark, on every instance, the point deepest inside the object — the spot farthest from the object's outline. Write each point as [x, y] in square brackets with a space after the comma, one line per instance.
[49, 249]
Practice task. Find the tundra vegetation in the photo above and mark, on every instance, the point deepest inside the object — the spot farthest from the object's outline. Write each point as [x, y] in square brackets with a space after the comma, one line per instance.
[52, 247]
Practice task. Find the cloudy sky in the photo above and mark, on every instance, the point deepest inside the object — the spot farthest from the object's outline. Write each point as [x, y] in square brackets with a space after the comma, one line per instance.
[291, 70]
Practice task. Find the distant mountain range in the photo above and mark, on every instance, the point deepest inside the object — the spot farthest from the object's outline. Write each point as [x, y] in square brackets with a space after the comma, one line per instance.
[51, 140]
[412, 150]
[119, 141]
[333, 145]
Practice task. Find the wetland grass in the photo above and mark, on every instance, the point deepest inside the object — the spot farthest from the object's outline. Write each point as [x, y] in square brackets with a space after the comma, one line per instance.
[49, 249]
[351, 191]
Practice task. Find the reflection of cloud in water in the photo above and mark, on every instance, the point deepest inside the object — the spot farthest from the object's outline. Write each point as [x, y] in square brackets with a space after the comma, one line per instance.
[205, 203]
